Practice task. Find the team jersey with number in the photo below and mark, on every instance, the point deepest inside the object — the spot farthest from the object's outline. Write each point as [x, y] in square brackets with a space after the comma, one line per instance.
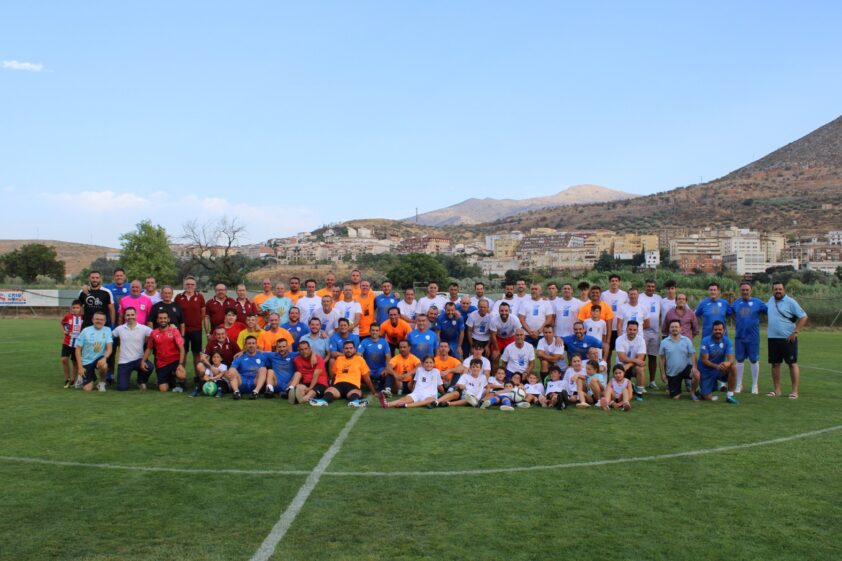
[72, 327]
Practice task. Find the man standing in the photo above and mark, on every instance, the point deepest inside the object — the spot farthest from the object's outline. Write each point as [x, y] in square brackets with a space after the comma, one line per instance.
[394, 329]
[385, 301]
[716, 363]
[192, 305]
[356, 279]
[244, 306]
[118, 289]
[150, 289]
[216, 308]
[169, 305]
[294, 292]
[251, 329]
[684, 315]
[786, 319]
[261, 298]
[366, 301]
[478, 326]
[309, 303]
[534, 314]
[520, 296]
[132, 336]
[375, 352]
[316, 339]
[327, 316]
[433, 298]
[93, 347]
[169, 356]
[566, 308]
[479, 294]
[678, 361]
[408, 306]
[349, 308]
[712, 309]
[502, 330]
[278, 304]
[451, 328]
[95, 299]
[746, 311]
[632, 310]
[296, 328]
[668, 301]
[519, 357]
[330, 281]
[616, 298]
[652, 302]
[137, 300]
[423, 341]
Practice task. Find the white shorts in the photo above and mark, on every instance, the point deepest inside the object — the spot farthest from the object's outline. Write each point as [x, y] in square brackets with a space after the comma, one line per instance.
[653, 343]
[419, 396]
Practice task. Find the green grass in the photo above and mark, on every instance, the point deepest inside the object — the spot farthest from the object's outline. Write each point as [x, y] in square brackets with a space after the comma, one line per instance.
[779, 501]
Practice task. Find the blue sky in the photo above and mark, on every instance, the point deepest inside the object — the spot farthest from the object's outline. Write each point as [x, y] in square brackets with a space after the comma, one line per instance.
[292, 115]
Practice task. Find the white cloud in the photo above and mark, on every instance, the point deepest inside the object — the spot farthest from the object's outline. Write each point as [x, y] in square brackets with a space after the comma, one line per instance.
[96, 200]
[27, 66]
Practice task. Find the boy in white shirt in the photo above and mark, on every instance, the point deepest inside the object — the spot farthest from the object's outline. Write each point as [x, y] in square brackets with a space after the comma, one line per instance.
[534, 389]
[469, 389]
[596, 327]
[426, 387]
[552, 391]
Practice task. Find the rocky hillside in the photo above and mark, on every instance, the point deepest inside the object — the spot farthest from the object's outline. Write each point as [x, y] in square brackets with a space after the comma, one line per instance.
[76, 256]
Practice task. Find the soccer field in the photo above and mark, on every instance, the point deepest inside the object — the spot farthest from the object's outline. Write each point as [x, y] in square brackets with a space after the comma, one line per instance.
[135, 475]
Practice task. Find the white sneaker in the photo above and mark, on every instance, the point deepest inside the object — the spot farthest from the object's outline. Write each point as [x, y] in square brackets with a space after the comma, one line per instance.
[79, 384]
[755, 390]
[524, 405]
[178, 389]
[472, 400]
[387, 391]
[101, 386]
[506, 408]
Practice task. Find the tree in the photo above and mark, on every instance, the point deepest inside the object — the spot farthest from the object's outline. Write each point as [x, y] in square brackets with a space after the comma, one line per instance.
[838, 272]
[606, 262]
[214, 248]
[104, 265]
[457, 266]
[417, 267]
[31, 260]
[146, 252]
[513, 275]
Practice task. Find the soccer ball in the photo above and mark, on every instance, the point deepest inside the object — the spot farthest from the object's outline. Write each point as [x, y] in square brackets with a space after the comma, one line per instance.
[209, 388]
[518, 395]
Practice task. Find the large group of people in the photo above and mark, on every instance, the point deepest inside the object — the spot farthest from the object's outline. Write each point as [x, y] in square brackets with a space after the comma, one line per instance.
[604, 348]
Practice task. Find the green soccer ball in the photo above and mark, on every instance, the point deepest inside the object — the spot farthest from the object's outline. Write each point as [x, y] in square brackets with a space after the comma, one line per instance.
[209, 388]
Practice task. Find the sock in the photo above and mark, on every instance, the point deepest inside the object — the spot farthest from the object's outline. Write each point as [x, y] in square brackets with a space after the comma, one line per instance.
[729, 393]
[493, 400]
[755, 373]
[328, 397]
[506, 401]
[740, 367]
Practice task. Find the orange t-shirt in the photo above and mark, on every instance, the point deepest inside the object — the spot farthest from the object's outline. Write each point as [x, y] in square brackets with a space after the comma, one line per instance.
[258, 300]
[350, 370]
[266, 341]
[604, 312]
[395, 333]
[446, 364]
[405, 367]
[367, 317]
[294, 297]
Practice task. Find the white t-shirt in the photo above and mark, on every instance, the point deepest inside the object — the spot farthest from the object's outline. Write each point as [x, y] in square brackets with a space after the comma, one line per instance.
[132, 341]
[628, 313]
[631, 348]
[473, 386]
[595, 328]
[555, 386]
[666, 306]
[652, 305]
[328, 320]
[480, 326]
[517, 359]
[425, 302]
[519, 301]
[513, 306]
[308, 305]
[534, 389]
[427, 382]
[503, 329]
[475, 302]
[486, 364]
[407, 309]
[569, 382]
[616, 300]
[535, 312]
[554, 348]
[349, 311]
[566, 314]
[494, 383]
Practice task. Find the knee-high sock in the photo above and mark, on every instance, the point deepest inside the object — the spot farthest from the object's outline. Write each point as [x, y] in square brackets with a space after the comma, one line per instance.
[740, 366]
[755, 373]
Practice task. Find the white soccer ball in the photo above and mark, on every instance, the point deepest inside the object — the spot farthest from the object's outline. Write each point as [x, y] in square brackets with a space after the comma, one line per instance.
[518, 395]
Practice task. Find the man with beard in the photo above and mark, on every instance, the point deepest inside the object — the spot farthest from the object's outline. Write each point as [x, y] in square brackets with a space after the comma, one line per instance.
[169, 305]
[168, 346]
[786, 319]
[503, 326]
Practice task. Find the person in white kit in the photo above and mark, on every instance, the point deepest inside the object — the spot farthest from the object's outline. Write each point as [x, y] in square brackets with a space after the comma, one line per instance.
[633, 310]
[132, 337]
[535, 313]
[631, 353]
[652, 303]
[566, 310]
[426, 387]
[478, 327]
[615, 298]
[469, 389]
[408, 307]
[550, 351]
[433, 298]
[519, 357]
[503, 326]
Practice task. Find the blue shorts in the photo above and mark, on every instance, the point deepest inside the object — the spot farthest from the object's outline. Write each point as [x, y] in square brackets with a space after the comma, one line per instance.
[247, 384]
[747, 349]
[709, 378]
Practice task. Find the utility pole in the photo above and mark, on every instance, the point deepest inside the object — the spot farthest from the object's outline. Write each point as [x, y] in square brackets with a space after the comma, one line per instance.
[416, 216]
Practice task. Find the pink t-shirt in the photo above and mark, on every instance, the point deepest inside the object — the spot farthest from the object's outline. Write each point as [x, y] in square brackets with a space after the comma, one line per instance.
[142, 304]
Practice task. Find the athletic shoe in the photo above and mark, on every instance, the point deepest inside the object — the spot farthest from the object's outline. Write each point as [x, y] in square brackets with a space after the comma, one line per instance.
[638, 397]
[101, 386]
[652, 386]
[582, 405]
[195, 392]
[731, 400]
[252, 396]
[485, 404]
[178, 389]
[641, 389]
[524, 405]
[472, 400]
[141, 387]
[506, 408]
[218, 394]
[360, 403]
[723, 387]
[318, 402]
[387, 391]
[714, 398]
[432, 405]
[444, 404]
[67, 384]
[382, 399]
[237, 396]
[755, 390]
[270, 388]
[79, 383]
[694, 397]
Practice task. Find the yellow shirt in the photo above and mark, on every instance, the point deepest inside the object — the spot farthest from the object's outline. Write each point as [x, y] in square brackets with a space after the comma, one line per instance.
[241, 338]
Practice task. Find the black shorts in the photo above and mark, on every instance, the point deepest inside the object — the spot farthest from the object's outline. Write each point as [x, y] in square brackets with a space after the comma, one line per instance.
[630, 373]
[193, 341]
[90, 372]
[613, 344]
[344, 388]
[164, 374]
[674, 382]
[319, 390]
[67, 350]
[781, 350]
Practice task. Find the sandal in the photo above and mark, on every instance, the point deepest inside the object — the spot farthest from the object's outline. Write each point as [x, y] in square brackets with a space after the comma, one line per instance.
[793, 396]
[773, 394]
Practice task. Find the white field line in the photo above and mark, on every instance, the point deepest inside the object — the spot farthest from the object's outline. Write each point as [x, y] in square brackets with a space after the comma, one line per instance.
[279, 530]
[814, 368]
[20, 459]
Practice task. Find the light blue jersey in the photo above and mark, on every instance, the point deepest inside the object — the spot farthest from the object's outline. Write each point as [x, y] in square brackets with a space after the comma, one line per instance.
[93, 342]
[678, 354]
[783, 314]
[319, 344]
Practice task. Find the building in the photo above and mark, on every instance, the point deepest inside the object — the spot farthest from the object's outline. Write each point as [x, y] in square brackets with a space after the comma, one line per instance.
[834, 237]
[430, 245]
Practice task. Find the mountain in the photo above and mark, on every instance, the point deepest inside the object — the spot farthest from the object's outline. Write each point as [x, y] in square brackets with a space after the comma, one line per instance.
[76, 256]
[795, 189]
[477, 211]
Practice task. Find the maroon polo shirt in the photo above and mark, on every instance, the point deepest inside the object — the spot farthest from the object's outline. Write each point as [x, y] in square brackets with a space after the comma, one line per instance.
[191, 310]
[227, 349]
[244, 309]
[215, 310]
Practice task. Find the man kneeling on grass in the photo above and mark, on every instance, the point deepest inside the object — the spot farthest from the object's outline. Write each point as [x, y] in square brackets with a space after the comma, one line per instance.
[248, 371]
[168, 345]
[716, 363]
[349, 371]
[678, 362]
[426, 387]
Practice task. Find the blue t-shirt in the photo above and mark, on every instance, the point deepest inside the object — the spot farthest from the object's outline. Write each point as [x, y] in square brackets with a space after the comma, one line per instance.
[717, 351]
[93, 342]
[117, 294]
[337, 343]
[375, 354]
[282, 367]
[382, 303]
[280, 306]
[248, 365]
[450, 328]
[747, 314]
[423, 344]
[296, 331]
[319, 344]
[710, 312]
[678, 354]
[576, 347]
[780, 312]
